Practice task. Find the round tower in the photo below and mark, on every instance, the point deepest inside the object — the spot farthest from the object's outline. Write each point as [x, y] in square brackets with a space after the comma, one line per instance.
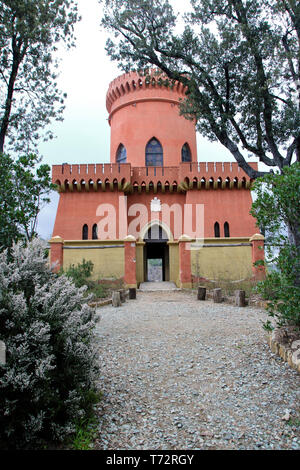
[146, 128]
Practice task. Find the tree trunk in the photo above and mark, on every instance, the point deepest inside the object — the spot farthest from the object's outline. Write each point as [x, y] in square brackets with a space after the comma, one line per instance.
[17, 58]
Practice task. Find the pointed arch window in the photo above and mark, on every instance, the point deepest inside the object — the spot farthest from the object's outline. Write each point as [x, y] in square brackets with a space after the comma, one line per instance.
[217, 230]
[226, 229]
[156, 233]
[186, 155]
[121, 154]
[95, 232]
[85, 232]
[154, 153]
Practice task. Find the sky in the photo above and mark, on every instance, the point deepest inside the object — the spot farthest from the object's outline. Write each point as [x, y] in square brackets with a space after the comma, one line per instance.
[84, 136]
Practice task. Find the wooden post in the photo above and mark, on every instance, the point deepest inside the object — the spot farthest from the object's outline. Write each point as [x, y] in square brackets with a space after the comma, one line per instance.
[201, 293]
[132, 293]
[116, 300]
[217, 295]
[240, 298]
[122, 295]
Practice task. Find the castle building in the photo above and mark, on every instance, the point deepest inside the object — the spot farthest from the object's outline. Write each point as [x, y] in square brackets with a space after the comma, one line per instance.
[155, 199]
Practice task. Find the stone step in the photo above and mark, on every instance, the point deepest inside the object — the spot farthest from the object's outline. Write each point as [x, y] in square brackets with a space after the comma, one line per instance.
[158, 286]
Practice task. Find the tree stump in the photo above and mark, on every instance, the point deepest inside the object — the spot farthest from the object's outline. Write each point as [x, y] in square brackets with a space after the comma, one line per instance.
[132, 293]
[201, 293]
[116, 300]
[122, 295]
[240, 298]
[217, 295]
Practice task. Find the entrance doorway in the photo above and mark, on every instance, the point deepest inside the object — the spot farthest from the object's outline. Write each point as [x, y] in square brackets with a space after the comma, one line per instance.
[156, 255]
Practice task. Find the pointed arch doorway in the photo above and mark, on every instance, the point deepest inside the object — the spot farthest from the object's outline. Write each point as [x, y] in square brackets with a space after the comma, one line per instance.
[156, 254]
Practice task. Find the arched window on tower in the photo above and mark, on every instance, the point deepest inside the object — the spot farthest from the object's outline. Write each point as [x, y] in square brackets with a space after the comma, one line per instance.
[217, 230]
[85, 232]
[226, 229]
[95, 232]
[121, 154]
[186, 155]
[154, 153]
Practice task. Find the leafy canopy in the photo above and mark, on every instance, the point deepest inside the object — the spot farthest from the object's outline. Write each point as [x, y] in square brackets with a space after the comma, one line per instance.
[30, 31]
[25, 188]
[240, 60]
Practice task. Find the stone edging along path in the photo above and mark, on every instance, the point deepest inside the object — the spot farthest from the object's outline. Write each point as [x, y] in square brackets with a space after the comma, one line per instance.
[290, 355]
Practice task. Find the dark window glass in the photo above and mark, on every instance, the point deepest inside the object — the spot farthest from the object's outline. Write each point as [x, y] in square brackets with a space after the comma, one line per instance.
[85, 232]
[154, 153]
[186, 153]
[226, 229]
[217, 230]
[121, 154]
[95, 232]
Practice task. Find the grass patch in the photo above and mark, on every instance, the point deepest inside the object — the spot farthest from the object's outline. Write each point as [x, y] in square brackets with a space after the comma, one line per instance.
[86, 427]
[295, 422]
[86, 433]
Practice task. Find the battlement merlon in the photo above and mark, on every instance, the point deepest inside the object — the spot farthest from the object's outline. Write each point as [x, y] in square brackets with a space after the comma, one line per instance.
[131, 87]
[206, 175]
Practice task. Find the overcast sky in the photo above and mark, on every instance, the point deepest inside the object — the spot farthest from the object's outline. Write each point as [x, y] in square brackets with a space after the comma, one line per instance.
[84, 135]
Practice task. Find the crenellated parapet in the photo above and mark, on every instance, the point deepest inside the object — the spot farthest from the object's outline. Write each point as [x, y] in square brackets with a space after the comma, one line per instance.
[145, 107]
[128, 179]
[206, 175]
[91, 177]
[131, 87]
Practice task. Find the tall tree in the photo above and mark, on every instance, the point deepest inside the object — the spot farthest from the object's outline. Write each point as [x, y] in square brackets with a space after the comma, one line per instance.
[30, 31]
[240, 60]
[25, 188]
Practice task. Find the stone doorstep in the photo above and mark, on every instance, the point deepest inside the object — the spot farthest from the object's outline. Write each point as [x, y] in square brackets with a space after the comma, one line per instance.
[158, 286]
[285, 353]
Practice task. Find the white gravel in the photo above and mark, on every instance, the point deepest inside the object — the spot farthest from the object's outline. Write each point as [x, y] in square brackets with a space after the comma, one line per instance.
[178, 373]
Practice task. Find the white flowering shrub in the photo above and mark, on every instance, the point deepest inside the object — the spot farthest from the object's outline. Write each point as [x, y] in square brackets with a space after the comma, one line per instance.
[51, 365]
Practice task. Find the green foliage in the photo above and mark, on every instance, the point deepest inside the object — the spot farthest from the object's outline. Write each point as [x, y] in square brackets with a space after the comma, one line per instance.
[48, 382]
[239, 60]
[278, 203]
[98, 290]
[85, 435]
[25, 188]
[80, 273]
[30, 31]
[277, 207]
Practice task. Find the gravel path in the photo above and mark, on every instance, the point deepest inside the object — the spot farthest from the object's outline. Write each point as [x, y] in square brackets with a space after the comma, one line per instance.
[178, 373]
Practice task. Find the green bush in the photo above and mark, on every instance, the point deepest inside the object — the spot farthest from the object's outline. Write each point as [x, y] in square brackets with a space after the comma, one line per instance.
[48, 380]
[80, 273]
[277, 209]
[280, 290]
